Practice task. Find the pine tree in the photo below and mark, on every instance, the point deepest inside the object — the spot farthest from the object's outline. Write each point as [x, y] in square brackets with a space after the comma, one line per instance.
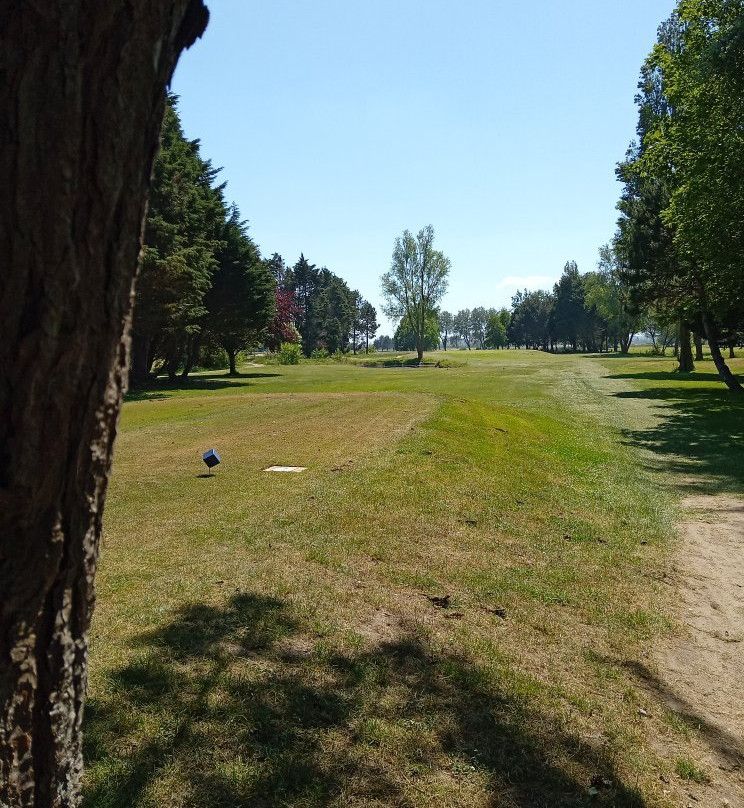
[241, 302]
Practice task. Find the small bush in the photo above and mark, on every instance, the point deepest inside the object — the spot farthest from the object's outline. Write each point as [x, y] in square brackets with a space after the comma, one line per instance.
[319, 353]
[289, 354]
[339, 356]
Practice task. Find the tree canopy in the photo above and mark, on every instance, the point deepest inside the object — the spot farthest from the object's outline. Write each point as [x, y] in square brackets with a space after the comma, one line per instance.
[415, 283]
[680, 235]
[202, 278]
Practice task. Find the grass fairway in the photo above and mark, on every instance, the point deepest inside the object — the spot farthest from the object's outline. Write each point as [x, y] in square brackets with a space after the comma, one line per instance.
[271, 640]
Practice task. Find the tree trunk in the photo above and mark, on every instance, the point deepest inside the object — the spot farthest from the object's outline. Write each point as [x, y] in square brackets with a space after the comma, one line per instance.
[698, 339]
[686, 365]
[82, 98]
[723, 369]
[231, 356]
[140, 367]
[731, 346]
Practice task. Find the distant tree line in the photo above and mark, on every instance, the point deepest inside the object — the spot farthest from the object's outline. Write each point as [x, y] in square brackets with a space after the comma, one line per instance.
[329, 316]
[588, 312]
[203, 289]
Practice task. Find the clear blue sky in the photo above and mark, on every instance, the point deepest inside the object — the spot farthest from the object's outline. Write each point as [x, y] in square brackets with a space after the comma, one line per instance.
[341, 124]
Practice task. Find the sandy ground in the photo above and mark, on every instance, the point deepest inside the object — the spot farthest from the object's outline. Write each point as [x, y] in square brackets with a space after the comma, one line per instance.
[699, 674]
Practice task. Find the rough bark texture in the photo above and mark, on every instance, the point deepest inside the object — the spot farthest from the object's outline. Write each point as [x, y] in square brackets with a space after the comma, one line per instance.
[82, 94]
[698, 340]
[686, 365]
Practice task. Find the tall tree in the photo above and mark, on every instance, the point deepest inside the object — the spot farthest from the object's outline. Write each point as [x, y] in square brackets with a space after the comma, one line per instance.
[368, 321]
[610, 297]
[567, 317]
[83, 98]
[416, 282]
[355, 329]
[462, 326]
[478, 325]
[182, 235]
[697, 149]
[445, 320]
[495, 332]
[304, 283]
[529, 323]
[281, 272]
[333, 313]
[241, 301]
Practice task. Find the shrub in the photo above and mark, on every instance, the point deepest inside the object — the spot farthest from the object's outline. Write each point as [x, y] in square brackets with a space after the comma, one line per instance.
[319, 353]
[289, 354]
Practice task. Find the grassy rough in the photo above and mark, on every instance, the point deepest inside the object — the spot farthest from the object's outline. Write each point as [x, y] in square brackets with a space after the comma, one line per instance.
[271, 640]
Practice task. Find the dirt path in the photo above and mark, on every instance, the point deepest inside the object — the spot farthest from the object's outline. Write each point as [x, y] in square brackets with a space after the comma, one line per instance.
[698, 674]
[701, 672]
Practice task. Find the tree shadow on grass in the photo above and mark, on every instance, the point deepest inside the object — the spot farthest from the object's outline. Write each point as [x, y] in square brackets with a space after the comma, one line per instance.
[700, 434]
[237, 706]
[158, 388]
[727, 746]
[671, 376]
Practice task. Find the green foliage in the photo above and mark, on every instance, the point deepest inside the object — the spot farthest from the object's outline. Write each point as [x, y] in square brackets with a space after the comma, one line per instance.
[415, 283]
[201, 277]
[530, 319]
[182, 234]
[368, 324]
[568, 315]
[329, 314]
[383, 343]
[320, 353]
[680, 234]
[289, 353]
[687, 770]
[406, 340]
[446, 326]
[495, 331]
[241, 301]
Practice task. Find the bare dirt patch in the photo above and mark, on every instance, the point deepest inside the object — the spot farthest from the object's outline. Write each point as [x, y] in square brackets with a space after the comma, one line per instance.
[700, 671]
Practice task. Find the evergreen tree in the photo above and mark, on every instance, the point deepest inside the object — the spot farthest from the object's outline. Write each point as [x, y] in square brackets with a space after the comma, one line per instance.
[368, 322]
[182, 234]
[355, 329]
[567, 317]
[241, 301]
[304, 283]
[333, 314]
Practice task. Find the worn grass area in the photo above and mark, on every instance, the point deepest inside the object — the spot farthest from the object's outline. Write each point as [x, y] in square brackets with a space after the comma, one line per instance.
[271, 640]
